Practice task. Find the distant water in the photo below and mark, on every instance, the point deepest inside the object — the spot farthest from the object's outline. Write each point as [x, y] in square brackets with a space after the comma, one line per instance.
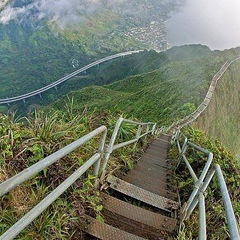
[215, 23]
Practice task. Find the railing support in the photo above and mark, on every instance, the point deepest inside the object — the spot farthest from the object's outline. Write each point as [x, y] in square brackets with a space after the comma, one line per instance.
[101, 152]
[202, 217]
[200, 186]
[110, 145]
[137, 136]
[231, 219]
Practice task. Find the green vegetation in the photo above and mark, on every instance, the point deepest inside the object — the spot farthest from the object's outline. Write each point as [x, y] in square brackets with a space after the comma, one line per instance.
[158, 87]
[27, 140]
[216, 226]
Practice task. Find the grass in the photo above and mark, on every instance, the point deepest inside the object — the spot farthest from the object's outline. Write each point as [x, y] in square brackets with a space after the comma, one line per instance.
[32, 138]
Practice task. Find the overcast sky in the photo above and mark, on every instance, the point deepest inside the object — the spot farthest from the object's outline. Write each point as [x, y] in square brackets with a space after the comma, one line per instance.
[215, 23]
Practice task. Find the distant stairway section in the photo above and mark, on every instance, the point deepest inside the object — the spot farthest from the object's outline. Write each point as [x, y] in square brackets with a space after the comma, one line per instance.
[201, 108]
[143, 204]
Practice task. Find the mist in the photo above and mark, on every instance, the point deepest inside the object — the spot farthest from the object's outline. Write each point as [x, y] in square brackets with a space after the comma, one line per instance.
[62, 12]
[214, 23]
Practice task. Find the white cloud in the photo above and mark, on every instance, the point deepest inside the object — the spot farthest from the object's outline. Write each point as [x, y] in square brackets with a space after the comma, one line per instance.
[215, 23]
[63, 12]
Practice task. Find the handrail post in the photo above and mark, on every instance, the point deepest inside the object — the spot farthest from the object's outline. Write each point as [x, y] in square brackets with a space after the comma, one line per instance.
[202, 217]
[147, 130]
[101, 151]
[193, 199]
[231, 219]
[154, 129]
[109, 148]
[138, 134]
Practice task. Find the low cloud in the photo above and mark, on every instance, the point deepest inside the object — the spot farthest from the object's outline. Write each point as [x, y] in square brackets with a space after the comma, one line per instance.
[63, 12]
[214, 23]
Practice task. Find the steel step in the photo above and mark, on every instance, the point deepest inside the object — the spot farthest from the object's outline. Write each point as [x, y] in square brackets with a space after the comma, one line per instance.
[141, 182]
[159, 141]
[150, 178]
[151, 171]
[156, 152]
[135, 228]
[142, 194]
[104, 231]
[155, 160]
[143, 216]
[157, 166]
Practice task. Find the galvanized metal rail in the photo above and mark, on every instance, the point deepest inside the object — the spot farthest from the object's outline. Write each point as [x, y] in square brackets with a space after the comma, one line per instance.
[94, 161]
[200, 186]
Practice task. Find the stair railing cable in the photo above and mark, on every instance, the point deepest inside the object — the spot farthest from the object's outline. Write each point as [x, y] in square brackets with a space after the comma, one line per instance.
[95, 161]
[198, 194]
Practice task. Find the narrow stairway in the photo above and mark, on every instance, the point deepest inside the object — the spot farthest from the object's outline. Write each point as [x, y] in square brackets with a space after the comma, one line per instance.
[143, 204]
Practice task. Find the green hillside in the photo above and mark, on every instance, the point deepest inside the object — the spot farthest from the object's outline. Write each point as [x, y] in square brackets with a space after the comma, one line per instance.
[159, 87]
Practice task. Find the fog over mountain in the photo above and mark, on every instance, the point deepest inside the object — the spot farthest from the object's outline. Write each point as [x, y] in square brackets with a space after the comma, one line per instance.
[215, 23]
[63, 12]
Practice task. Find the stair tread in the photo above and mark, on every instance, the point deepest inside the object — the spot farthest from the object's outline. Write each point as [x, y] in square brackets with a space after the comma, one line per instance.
[157, 166]
[160, 162]
[151, 171]
[142, 194]
[106, 232]
[149, 178]
[153, 187]
[139, 214]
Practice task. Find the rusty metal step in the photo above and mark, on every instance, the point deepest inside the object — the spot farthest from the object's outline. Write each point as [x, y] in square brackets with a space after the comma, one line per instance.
[157, 166]
[138, 214]
[149, 178]
[153, 187]
[160, 141]
[134, 227]
[151, 171]
[104, 231]
[158, 152]
[142, 194]
[164, 137]
[162, 152]
[152, 160]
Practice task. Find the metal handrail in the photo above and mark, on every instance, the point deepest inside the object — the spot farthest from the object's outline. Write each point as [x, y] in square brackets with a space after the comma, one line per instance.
[200, 185]
[111, 147]
[95, 161]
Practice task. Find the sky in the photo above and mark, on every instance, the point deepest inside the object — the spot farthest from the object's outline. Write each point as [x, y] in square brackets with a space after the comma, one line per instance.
[215, 23]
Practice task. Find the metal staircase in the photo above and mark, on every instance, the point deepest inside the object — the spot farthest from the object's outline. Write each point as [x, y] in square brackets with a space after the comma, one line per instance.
[149, 185]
